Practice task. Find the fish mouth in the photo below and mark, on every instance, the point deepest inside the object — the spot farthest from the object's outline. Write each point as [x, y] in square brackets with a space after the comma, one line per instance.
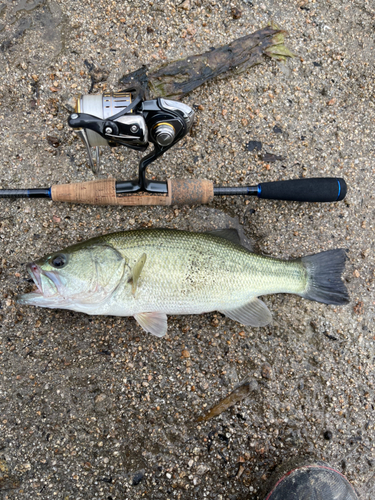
[35, 274]
[47, 286]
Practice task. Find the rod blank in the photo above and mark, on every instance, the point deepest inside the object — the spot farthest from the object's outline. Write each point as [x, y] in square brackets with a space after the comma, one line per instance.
[26, 193]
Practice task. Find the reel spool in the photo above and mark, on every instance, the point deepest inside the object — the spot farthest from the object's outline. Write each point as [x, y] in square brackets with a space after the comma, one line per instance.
[125, 119]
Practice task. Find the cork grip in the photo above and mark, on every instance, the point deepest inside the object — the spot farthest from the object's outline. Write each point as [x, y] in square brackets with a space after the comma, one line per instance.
[190, 191]
[103, 192]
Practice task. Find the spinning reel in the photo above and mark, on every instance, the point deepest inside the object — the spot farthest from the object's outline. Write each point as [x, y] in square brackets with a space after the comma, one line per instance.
[125, 119]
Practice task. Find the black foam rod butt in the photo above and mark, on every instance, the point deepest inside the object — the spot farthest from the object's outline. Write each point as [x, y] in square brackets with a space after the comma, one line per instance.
[319, 189]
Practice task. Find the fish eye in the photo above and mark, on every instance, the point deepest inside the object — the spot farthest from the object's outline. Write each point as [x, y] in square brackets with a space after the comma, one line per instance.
[59, 261]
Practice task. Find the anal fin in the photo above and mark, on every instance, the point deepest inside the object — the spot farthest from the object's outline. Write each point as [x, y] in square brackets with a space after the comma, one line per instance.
[153, 322]
[254, 313]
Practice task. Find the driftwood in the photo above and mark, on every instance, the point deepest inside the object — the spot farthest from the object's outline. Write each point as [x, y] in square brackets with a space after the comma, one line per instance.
[177, 78]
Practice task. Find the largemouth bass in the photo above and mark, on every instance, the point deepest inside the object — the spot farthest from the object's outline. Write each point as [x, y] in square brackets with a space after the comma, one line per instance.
[150, 273]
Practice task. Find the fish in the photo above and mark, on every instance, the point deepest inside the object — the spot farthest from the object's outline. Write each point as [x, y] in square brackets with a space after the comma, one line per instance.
[152, 273]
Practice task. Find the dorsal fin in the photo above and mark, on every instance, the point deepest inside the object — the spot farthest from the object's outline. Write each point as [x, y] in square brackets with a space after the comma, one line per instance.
[229, 234]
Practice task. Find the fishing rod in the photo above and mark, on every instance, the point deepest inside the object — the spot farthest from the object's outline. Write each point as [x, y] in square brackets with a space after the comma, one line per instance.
[126, 119]
[184, 192]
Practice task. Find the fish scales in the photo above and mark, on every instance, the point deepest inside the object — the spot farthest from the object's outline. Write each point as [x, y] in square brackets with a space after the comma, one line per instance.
[198, 272]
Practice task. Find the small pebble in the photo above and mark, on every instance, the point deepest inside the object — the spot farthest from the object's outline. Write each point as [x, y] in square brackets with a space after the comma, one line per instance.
[266, 371]
[138, 477]
[236, 13]
[327, 435]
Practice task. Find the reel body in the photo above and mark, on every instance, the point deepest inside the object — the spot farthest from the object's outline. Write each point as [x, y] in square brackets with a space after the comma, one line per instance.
[125, 119]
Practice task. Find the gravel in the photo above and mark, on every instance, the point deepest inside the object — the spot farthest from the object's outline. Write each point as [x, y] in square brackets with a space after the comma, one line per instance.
[92, 407]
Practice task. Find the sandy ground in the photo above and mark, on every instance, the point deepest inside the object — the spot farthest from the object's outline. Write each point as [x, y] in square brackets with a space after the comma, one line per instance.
[92, 407]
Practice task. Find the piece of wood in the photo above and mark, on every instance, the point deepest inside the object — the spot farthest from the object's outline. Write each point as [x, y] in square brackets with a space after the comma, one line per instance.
[175, 79]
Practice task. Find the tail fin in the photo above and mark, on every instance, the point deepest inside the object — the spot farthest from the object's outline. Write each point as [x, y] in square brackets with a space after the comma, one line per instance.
[324, 282]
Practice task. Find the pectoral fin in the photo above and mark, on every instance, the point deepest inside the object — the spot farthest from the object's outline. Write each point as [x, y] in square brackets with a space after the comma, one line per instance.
[136, 271]
[254, 313]
[153, 322]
